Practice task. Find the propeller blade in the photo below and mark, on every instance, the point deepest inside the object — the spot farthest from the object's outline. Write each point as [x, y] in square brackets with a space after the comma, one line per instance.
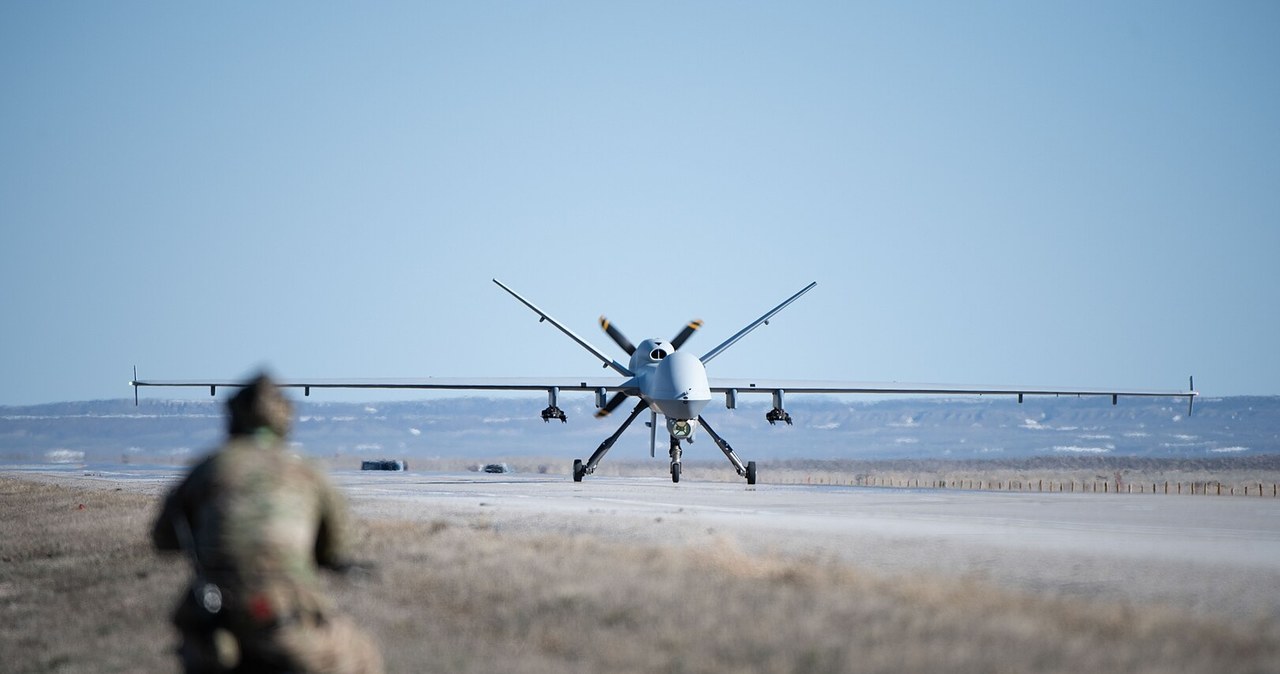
[617, 336]
[686, 333]
[612, 405]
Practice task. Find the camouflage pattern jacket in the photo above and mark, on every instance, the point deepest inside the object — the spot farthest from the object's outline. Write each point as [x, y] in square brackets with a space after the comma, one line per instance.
[263, 520]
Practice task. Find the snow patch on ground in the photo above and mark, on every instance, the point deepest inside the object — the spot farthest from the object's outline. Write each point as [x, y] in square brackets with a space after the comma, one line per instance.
[1073, 449]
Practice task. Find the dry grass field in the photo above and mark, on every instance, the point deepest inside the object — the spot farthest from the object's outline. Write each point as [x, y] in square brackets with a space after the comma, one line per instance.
[81, 591]
[1252, 476]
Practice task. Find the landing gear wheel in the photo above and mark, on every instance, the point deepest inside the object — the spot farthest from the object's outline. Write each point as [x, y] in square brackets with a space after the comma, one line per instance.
[675, 472]
[751, 472]
[578, 470]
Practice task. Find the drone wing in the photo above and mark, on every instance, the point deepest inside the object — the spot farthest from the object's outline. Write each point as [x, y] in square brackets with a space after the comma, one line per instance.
[732, 387]
[424, 384]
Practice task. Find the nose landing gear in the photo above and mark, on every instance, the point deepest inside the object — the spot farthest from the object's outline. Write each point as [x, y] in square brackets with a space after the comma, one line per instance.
[676, 453]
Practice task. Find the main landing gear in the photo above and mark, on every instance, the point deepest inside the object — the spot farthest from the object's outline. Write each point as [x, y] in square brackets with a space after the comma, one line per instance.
[747, 470]
[581, 470]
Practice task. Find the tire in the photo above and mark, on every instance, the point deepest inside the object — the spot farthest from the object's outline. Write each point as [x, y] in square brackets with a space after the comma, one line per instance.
[578, 470]
[675, 472]
[751, 472]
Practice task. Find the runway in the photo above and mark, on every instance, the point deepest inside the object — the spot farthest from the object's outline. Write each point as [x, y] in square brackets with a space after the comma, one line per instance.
[1212, 555]
[1206, 555]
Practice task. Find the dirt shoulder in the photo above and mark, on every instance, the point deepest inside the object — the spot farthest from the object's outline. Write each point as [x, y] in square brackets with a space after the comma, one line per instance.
[81, 591]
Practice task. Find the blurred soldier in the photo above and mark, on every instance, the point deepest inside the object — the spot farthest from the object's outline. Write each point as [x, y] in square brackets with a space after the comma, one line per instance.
[257, 521]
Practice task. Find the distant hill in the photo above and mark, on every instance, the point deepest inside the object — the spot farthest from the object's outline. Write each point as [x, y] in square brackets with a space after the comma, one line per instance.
[158, 431]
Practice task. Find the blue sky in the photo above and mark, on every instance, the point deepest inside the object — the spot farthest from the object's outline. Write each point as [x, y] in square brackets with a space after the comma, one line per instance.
[987, 193]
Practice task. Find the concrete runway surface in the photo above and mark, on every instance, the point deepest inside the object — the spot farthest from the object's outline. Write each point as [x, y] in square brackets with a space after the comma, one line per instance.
[1206, 555]
[1201, 554]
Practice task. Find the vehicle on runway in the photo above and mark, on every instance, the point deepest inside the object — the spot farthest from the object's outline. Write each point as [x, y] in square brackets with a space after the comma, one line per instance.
[384, 464]
[673, 383]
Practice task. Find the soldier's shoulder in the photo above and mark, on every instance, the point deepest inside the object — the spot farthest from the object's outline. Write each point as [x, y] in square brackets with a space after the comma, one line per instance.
[206, 464]
[241, 456]
[249, 454]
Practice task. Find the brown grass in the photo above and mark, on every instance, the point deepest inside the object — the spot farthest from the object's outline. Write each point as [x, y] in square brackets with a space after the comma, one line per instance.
[81, 591]
[1133, 474]
[80, 588]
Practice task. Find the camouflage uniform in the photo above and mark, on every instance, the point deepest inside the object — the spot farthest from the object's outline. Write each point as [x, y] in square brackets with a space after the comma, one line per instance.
[261, 520]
